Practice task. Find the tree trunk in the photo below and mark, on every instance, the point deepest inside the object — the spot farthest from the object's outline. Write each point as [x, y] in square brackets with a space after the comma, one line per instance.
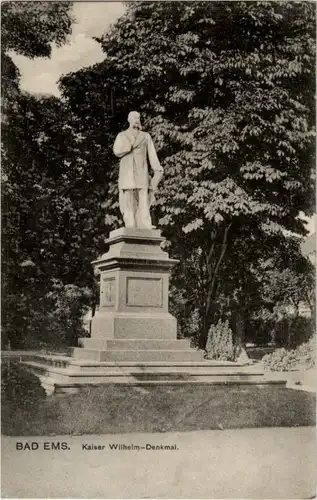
[289, 332]
[239, 327]
[93, 309]
[212, 278]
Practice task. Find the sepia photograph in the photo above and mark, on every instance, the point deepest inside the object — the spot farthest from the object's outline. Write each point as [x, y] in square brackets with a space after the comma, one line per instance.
[158, 236]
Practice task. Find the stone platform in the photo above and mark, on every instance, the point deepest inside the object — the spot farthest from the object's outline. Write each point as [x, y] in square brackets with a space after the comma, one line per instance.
[64, 374]
[136, 350]
[133, 335]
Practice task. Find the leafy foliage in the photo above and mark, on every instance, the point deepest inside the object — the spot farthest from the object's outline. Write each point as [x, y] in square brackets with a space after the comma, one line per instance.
[226, 90]
[307, 352]
[30, 28]
[34, 149]
[281, 360]
[284, 360]
[51, 231]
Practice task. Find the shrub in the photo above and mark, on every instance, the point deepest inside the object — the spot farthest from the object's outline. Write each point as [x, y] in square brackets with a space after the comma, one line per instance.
[280, 360]
[220, 343]
[283, 360]
[307, 353]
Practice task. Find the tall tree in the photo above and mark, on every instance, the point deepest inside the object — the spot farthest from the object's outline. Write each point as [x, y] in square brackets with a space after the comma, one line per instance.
[27, 190]
[29, 29]
[52, 226]
[227, 91]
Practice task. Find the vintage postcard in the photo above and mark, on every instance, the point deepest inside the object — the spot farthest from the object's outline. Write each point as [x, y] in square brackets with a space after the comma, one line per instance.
[158, 249]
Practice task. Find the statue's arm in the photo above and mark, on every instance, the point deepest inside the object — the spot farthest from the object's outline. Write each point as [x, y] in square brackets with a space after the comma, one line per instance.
[155, 164]
[153, 159]
[121, 146]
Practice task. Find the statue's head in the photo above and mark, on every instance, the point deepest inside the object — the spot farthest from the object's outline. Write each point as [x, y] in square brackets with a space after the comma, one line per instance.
[134, 120]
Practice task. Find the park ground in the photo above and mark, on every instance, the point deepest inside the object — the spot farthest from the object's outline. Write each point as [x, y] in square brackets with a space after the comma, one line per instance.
[115, 409]
[231, 442]
[235, 463]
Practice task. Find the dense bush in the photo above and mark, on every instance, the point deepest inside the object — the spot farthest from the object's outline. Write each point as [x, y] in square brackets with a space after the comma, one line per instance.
[49, 316]
[293, 332]
[282, 360]
[21, 393]
[220, 343]
[307, 353]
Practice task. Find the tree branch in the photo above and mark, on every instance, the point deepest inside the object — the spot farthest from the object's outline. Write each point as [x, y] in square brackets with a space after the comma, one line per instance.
[223, 251]
[211, 253]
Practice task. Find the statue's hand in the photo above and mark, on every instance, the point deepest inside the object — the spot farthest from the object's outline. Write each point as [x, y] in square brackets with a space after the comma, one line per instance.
[156, 180]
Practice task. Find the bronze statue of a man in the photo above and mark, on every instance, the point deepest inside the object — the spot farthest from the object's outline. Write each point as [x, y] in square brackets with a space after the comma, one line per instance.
[135, 149]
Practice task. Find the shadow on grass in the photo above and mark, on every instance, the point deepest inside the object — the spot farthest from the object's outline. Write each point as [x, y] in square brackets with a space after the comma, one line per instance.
[122, 409]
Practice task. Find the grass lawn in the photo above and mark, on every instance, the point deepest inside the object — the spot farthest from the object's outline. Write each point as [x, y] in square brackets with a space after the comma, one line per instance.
[120, 409]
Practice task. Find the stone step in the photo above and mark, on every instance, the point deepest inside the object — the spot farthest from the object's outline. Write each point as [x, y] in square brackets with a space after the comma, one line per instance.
[163, 364]
[65, 388]
[67, 380]
[134, 344]
[145, 367]
[139, 374]
[50, 360]
[57, 361]
[137, 355]
[114, 376]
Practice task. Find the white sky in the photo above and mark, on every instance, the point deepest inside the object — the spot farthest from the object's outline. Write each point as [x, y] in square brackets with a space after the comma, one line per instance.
[92, 19]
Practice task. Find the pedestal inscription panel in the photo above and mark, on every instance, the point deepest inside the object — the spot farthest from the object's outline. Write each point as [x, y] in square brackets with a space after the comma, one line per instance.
[144, 292]
[108, 292]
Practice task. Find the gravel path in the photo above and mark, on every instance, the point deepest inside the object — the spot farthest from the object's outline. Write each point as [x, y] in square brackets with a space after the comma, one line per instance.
[246, 463]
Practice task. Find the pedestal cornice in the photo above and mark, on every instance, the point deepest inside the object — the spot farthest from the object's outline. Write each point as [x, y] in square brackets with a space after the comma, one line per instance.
[107, 263]
[142, 235]
[135, 248]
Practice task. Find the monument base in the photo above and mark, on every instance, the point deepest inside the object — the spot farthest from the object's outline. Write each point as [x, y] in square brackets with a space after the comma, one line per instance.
[133, 337]
[125, 325]
[64, 374]
[133, 322]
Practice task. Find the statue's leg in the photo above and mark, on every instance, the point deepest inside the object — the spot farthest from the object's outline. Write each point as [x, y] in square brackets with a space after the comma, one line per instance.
[128, 206]
[143, 216]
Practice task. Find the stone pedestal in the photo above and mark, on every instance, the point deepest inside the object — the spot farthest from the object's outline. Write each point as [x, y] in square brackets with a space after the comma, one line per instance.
[133, 322]
[133, 339]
